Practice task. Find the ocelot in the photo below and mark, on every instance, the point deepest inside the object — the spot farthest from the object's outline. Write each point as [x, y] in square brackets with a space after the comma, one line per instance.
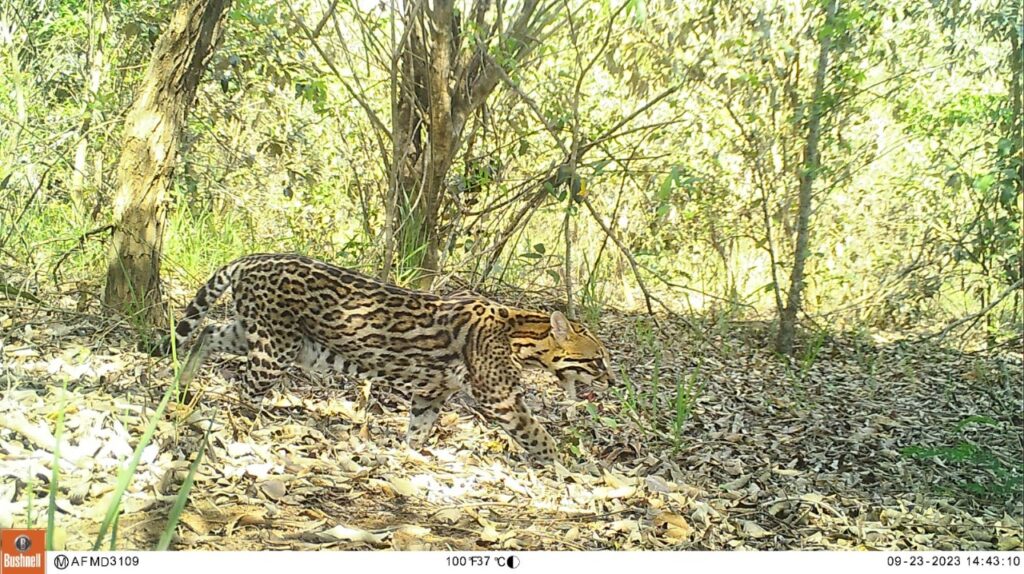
[290, 309]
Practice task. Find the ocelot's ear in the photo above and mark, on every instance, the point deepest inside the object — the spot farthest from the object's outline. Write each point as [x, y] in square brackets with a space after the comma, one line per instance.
[560, 327]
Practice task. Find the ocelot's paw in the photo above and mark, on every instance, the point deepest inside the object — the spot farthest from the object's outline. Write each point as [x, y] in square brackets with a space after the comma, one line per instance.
[545, 459]
[415, 442]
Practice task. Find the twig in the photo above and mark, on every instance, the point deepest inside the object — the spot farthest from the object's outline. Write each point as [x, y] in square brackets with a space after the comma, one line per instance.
[40, 436]
[527, 209]
[611, 132]
[570, 308]
[28, 204]
[372, 115]
[81, 244]
[12, 292]
[576, 155]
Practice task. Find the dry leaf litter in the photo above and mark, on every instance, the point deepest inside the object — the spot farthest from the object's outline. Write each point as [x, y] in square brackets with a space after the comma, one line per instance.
[770, 455]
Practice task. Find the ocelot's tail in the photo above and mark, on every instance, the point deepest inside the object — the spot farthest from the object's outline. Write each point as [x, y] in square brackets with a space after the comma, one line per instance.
[186, 329]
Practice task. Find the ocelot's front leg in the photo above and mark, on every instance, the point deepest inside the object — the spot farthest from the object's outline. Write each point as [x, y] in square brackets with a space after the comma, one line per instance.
[512, 414]
[496, 384]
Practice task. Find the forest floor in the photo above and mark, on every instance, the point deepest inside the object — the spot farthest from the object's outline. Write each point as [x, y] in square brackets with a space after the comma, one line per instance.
[707, 441]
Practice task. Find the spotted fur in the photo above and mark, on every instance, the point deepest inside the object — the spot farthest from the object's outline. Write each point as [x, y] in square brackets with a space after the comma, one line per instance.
[291, 309]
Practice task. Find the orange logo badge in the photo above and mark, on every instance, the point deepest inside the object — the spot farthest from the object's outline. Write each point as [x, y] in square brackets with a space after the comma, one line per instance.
[23, 551]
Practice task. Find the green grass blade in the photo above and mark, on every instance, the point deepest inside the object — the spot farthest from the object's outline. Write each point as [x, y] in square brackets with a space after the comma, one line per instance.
[182, 498]
[51, 507]
[113, 532]
[124, 477]
[30, 490]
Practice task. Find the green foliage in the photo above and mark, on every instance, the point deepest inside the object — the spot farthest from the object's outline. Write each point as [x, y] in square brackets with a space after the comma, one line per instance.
[124, 477]
[111, 519]
[688, 390]
[810, 353]
[593, 298]
[659, 410]
[30, 491]
[994, 477]
[691, 123]
[127, 472]
[657, 405]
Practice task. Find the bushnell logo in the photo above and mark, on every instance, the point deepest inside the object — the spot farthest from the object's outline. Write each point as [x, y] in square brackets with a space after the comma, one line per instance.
[23, 551]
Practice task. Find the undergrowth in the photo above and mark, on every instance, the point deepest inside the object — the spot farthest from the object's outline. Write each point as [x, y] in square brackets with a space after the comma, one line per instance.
[992, 477]
[658, 406]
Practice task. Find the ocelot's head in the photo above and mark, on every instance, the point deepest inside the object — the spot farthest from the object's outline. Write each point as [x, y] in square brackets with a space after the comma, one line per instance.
[569, 351]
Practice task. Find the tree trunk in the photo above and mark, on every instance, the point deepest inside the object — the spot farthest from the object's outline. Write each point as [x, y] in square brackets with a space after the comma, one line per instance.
[153, 130]
[1017, 133]
[90, 113]
[391, 196]
[407, 133]
[443, 82]
[1016, 119]
[808, 171]
[440, 137]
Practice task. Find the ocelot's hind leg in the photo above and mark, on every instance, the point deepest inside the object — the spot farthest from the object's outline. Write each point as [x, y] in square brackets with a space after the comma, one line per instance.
[214, 339]
[268, 354]
[423, 413]
[315, 357]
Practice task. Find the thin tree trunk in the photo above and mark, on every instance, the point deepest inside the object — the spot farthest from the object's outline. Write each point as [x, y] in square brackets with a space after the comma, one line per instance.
[443, 81]
[1016, 125]
[90, 113]
[397, 152]
[21, 85]
[570, 307]
[808, 171]
[776, 288]
[440, 136]
[407, 132]
[152, 133]
[1016, 119]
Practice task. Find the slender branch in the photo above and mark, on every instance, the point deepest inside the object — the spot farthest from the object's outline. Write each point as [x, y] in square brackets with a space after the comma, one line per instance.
[626, 252]
[573, 159]
[550, 127]
[762, 179]
[975, 316]
[510, 229]
[80, 244]
[323, 21]
[570, 308]
[610, 132]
